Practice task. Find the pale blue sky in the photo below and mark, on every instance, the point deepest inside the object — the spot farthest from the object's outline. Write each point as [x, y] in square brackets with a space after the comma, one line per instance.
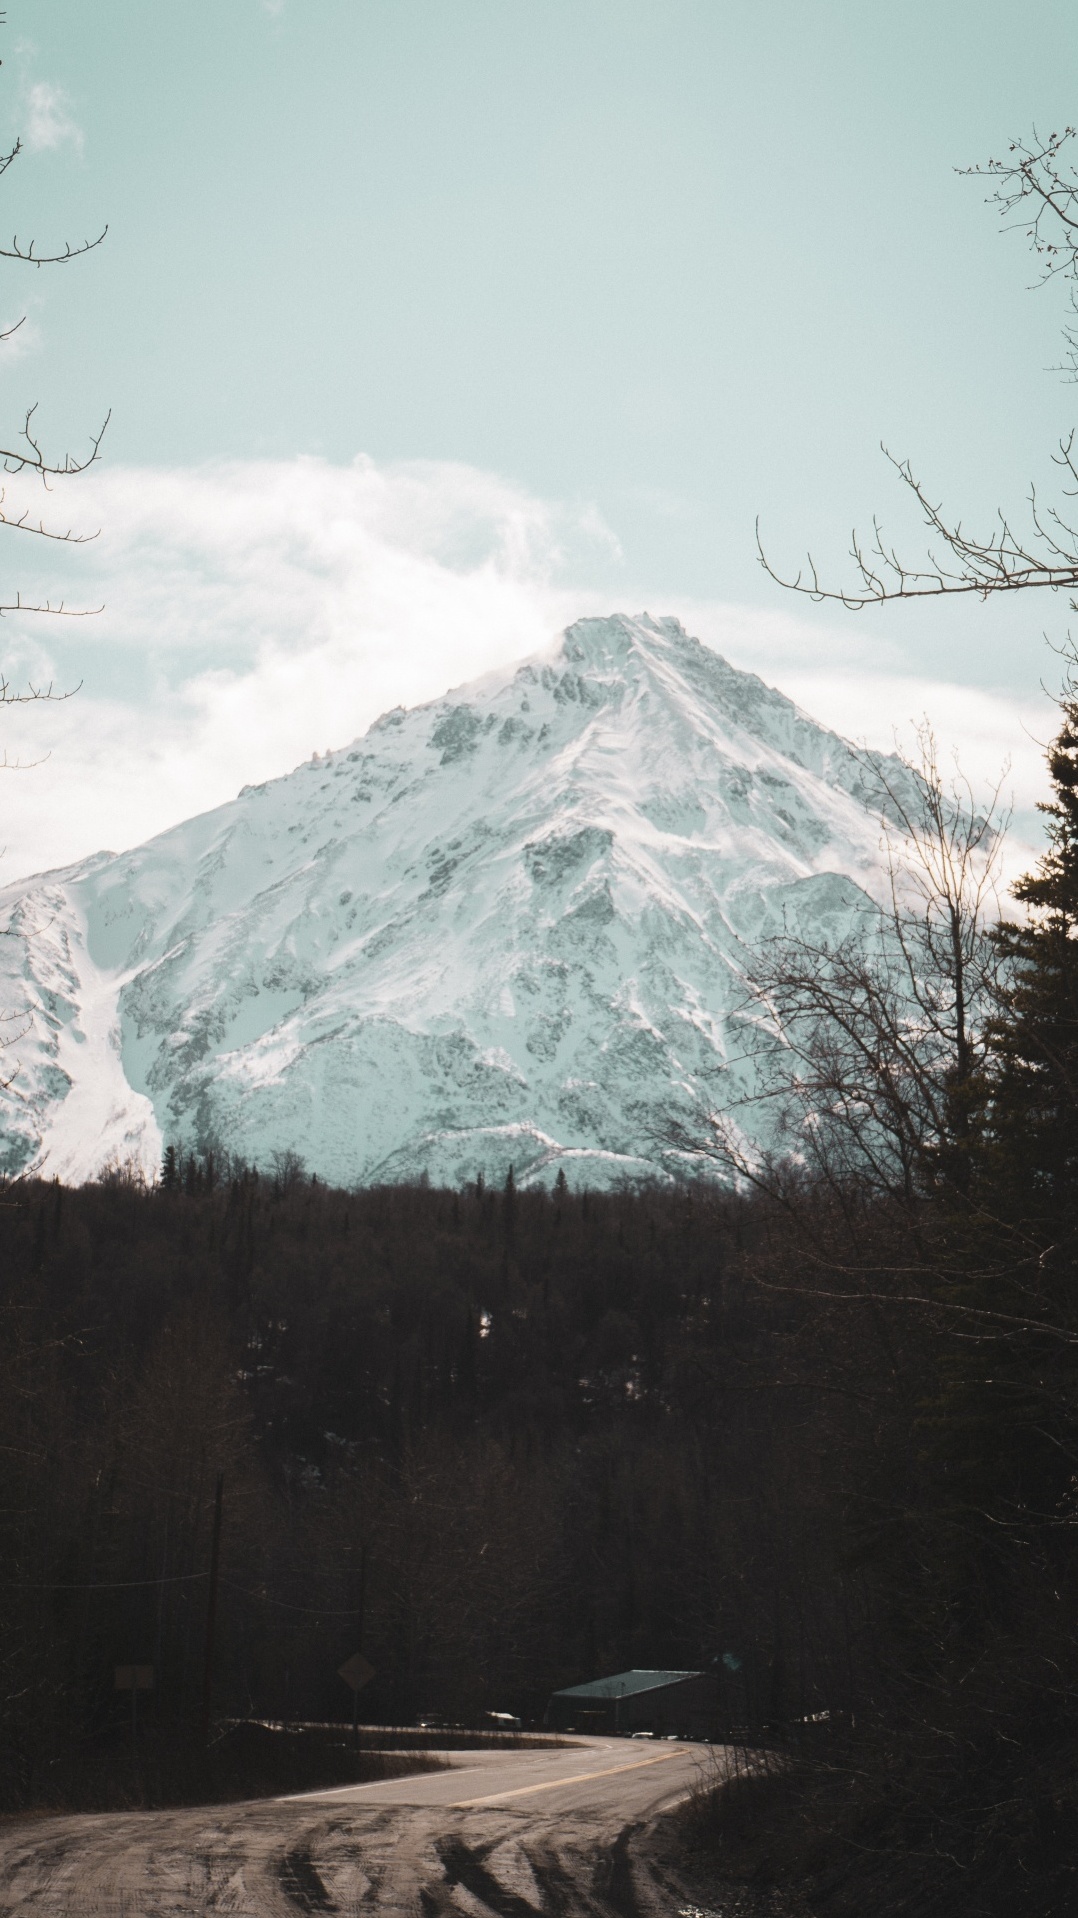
[676, 261]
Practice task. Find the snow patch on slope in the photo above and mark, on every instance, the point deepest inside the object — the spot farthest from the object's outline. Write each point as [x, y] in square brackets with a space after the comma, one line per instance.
[71, 1110]
[509, 927]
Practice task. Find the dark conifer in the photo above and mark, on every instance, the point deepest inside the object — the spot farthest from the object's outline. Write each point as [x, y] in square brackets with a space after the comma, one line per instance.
[1034, 1096]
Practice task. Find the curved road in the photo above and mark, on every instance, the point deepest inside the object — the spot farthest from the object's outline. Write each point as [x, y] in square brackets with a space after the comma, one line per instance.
[520, 1834]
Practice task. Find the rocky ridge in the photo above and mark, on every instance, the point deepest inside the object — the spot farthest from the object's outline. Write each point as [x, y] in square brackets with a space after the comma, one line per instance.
[505, 928]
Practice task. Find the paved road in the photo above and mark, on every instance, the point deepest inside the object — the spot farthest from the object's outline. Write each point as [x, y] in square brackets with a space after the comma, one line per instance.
[501, 1834]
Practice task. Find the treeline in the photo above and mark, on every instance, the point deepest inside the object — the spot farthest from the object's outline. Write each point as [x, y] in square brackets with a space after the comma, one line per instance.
[498, 1441]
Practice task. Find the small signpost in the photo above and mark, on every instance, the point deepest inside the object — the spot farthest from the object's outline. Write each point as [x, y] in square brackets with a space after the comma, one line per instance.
[356, 1671]
[134, 1679]
[211, 1610]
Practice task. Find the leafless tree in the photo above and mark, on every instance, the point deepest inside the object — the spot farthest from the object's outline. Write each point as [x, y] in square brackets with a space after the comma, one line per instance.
[866, 1051]
[24, 456]
[1039, 184]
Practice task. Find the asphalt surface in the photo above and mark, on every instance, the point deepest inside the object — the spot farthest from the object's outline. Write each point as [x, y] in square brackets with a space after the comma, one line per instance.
[558, 1831]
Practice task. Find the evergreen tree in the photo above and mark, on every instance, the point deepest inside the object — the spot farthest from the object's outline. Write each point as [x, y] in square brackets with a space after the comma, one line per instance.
[1033, 1118]
[990, 1541]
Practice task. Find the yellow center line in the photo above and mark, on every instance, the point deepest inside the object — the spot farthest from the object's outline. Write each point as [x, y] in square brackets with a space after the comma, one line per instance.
[579, 1778]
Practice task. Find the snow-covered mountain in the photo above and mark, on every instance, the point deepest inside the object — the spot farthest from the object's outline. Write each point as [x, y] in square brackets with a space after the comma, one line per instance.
[504, 928]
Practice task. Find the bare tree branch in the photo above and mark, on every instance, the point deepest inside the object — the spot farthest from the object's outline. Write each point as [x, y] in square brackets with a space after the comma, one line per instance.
[26, 253]
[29, 258]
[24, 524]
[35, 693]
[14, 460]
[59, 611]
[1046, 556]
[1034, 181]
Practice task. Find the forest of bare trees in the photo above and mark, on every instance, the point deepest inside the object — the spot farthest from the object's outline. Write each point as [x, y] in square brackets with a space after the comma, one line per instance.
[506, 1440]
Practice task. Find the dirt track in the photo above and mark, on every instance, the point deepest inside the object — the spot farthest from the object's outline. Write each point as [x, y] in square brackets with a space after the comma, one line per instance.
[514, 1834]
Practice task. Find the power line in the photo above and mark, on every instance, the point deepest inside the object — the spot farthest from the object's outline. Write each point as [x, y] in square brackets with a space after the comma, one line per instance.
[106, 1585]
[180, 1578]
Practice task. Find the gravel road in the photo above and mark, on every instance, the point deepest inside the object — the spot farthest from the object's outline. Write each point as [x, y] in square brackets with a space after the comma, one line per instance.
[555, 1832]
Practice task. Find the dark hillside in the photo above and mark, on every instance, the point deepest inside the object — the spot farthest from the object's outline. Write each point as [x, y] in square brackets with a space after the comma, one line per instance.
[508, 1440]
[504, 1442]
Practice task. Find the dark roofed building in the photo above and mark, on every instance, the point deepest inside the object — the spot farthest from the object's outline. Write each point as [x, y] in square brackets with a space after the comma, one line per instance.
[659, 1702]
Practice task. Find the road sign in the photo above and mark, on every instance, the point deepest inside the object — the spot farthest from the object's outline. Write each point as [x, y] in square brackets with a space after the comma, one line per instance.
[134, 1678]
[356, 1671]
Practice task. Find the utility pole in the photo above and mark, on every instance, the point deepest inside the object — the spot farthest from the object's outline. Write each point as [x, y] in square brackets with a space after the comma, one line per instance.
[359, 1635]
[211, 1611]
[134, 1679]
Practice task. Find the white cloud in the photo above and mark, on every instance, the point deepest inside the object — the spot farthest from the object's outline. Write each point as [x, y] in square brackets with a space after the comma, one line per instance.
[258, 611]
[49, 122]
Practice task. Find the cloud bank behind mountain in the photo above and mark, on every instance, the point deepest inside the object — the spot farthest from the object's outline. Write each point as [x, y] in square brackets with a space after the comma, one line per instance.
[256, 611]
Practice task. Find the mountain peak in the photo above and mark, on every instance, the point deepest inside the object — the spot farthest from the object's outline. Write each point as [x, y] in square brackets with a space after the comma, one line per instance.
[614, 638]
[506, 928]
